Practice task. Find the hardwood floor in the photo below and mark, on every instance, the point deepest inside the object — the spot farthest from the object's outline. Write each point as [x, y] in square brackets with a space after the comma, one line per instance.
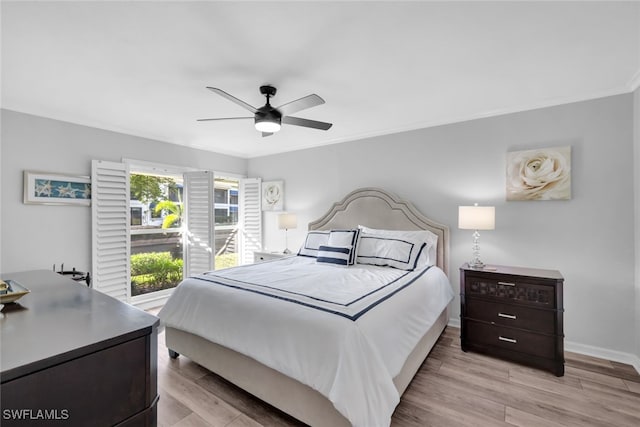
[451, 388]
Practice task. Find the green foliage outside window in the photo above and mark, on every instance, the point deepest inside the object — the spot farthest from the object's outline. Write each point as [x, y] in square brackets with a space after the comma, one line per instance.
[154, 271]
[149, 188]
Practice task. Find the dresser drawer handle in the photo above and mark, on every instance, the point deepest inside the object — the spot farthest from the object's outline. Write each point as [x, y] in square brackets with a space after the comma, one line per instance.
[511, 340]
[507, 316]
[506, 284]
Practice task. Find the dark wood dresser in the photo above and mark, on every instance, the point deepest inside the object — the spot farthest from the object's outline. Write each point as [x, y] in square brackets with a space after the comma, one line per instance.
[72, 356]
[513, 313]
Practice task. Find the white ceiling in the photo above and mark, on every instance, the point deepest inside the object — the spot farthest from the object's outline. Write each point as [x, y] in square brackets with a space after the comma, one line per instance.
[141, 68]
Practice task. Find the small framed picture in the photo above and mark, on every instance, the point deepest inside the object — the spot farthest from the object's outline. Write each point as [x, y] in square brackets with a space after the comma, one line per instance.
[272, 196]
[56, 189]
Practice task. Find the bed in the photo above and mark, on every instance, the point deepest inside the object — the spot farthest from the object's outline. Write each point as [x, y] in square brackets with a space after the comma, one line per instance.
[333, 366]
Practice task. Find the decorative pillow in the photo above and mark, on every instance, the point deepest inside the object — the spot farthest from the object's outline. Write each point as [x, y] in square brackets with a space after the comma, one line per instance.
[427, 256]
[312, 243]
[338, 255]
[389, 251]
[345, 238]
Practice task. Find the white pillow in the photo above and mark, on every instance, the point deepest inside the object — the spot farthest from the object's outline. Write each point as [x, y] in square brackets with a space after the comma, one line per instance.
[388, 251]
[335, 255]
[428, 256]
[345, 238]
[312, 243]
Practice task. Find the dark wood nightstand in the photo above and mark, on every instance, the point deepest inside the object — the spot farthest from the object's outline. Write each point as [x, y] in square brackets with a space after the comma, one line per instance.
[513, 313]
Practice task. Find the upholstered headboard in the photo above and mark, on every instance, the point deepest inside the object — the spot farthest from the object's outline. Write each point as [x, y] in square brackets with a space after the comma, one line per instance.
[377, 208]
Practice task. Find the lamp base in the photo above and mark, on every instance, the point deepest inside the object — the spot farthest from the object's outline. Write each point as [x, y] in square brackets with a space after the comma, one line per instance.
[476, 264]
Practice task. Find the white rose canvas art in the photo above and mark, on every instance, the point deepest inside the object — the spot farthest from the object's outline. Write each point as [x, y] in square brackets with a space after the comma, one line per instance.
[542, 174]
[272, 196]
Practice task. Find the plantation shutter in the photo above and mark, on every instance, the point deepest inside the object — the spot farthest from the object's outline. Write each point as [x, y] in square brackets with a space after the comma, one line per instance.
[249, 219]
[199, 223]
[110, 219]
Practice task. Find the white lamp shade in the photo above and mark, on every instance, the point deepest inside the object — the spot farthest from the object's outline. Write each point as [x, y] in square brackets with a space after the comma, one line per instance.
[476, 217]
[287, 221]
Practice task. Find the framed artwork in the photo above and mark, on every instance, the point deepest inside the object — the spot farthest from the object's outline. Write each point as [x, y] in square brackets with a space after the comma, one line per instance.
[56, 189]
[272, 196]
[542, 174]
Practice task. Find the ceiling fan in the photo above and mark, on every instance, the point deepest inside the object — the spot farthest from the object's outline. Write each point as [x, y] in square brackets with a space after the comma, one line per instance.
[268, 119]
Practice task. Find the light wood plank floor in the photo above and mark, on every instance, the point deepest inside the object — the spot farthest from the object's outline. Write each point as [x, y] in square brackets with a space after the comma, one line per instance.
[451, 388]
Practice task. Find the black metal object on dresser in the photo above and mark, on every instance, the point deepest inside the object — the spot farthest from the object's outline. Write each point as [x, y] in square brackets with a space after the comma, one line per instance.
[513, 313]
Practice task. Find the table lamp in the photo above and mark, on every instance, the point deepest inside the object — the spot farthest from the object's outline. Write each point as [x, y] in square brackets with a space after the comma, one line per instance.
[476, 218]
[287, 221]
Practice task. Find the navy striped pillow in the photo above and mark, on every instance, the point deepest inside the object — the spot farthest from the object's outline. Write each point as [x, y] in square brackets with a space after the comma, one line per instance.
[337, 255]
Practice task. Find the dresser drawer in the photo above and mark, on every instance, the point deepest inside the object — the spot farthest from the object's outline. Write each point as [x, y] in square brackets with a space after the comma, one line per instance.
[99, 389]
[510, 339]
[511, 288]
[516, 316]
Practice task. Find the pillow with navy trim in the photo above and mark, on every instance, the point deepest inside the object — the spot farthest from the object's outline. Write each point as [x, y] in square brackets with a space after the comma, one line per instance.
[427, 257]
[389, 251]
[345, 238]
[335, 255]
[312, 243]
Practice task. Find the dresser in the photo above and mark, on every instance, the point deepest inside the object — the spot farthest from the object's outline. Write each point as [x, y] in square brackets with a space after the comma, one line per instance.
[74, 356]
[513, 313]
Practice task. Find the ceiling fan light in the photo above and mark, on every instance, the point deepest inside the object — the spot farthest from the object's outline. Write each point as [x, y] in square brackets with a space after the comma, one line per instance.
[267, 125]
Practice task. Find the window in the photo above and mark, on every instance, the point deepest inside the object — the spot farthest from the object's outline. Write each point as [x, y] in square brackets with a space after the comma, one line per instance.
[150, 220]
[156, 231]
[226, 221]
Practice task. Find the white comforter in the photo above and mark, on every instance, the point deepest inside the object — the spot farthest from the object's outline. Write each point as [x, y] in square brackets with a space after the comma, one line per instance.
[345, 332]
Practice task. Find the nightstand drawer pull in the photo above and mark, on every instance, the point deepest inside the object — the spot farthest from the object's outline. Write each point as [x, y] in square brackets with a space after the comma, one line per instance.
[506, 284]
[507, 316]
[511, 340]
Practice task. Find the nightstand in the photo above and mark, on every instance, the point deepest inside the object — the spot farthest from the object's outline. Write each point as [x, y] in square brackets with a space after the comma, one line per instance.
[513, 313]
[259, 256]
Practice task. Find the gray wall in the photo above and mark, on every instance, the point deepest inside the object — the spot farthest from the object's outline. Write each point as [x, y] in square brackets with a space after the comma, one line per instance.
[636, 128]
[589, 238]
[37, 236]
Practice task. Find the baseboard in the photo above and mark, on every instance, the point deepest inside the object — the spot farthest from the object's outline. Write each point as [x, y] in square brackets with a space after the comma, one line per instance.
[603, 353]
[587, 350]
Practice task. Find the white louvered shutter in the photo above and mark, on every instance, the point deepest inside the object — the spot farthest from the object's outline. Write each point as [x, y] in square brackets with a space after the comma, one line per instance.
[249, 219]
[110, 218]
[199, 223]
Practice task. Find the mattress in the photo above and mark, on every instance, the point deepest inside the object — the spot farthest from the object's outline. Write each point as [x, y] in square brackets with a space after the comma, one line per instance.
[345, 332]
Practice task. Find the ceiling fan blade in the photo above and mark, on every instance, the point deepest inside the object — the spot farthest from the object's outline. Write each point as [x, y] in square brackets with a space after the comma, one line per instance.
[306, 123]
[300, 104]
[233, 99]
[223, 118]
[266, 134]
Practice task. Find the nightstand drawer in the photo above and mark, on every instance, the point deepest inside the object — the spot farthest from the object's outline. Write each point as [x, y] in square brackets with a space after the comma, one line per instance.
[511, 339]
[515, 316]
[511, 288]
